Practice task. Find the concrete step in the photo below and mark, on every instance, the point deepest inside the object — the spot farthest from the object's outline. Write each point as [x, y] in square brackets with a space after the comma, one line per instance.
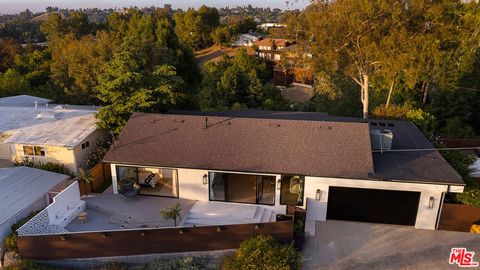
[273, 217]
[266, 216]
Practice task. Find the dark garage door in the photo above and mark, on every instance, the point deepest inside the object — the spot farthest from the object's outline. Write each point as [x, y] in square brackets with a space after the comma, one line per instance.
[373, 205]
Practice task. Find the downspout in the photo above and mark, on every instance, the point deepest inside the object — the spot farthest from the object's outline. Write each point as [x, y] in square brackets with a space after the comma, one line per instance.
[440, 207]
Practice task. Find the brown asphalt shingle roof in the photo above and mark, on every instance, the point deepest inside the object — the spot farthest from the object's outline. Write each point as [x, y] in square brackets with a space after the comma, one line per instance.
[246, 145]
[414, 166]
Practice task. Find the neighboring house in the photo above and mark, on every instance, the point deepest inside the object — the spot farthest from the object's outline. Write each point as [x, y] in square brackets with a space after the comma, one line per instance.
[334, 167]
[43, 132]
[247, 40]
[295, 68]
[268, 26]
[22, 191]
[271, 48]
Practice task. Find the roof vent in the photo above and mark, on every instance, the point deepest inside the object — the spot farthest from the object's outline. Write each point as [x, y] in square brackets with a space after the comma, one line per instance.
[381, 139]
[46, 115]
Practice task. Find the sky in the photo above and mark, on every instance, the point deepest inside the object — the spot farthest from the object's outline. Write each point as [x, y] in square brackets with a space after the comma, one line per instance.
[14, 6]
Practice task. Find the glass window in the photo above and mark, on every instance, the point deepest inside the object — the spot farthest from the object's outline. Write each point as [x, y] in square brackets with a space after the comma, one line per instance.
[28, 150]
[152, 181]
[242, 188]
[291, 192]
[39, 151]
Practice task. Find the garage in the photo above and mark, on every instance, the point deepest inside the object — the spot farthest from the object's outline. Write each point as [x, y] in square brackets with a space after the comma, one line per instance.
[373, 205]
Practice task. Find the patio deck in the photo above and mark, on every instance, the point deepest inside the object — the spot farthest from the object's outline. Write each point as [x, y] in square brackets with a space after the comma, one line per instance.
[112, 212]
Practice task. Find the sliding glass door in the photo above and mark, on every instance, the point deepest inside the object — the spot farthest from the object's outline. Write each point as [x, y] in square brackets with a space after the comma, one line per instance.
[152, 181]
[242, 188]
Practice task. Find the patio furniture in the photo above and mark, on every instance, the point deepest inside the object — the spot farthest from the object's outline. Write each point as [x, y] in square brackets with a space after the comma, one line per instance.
[128, 188]
[82, 217]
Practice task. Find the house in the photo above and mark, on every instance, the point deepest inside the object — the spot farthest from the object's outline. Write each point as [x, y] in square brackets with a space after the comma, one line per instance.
[34, 128]
[268, 26]
[333, 167]
[235, 175]
[24, 190]
[247, 39]
[271, 48]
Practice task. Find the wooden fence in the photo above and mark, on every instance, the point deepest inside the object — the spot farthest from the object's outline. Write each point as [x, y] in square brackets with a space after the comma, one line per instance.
[458, 217]
[100, 174]
[148, 241]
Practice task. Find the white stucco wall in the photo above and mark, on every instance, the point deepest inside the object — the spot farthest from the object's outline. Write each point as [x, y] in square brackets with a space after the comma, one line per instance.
[190, 186]
[66, 205]
[426, 217]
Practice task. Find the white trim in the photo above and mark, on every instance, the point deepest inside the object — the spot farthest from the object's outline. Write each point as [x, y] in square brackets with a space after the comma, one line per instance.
[33, 145]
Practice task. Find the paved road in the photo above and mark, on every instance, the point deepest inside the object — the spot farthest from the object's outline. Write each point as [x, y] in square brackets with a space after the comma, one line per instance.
[355, 245]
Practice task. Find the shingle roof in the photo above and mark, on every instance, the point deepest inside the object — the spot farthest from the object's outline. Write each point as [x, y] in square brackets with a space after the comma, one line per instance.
[415, 166]
[247, 145]
[268, 42]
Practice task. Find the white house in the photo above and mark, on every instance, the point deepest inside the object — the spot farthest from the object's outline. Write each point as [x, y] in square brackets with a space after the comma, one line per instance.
[31, 127]
[247, 40]
[334, 167]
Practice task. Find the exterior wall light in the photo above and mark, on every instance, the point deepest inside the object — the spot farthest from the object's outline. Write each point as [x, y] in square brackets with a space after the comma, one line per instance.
[219, 229]
[180, 231]
[257, 226]
[63, 237]
[104, 235]
[205, 179]
[318, 195]
[143, 233]
[279, 184]
[430, 202]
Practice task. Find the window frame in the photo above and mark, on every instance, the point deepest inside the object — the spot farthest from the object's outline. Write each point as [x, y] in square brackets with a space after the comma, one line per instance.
[34, 151]
[302, 190]
[209, 174]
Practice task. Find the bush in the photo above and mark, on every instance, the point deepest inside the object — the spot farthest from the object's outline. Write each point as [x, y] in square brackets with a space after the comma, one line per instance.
[471, 196]
[263, 252]
[51, 167]
[423, 120]
[187, 263]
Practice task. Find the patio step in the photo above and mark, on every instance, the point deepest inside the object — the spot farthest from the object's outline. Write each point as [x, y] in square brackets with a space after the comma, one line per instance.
[258, 214]
[266, 216]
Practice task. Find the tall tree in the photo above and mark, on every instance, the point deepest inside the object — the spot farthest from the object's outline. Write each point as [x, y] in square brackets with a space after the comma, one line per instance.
[347, 38]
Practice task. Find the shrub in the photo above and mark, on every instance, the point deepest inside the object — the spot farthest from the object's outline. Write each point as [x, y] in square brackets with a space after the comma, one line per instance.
[51, 167]
[423, 120]
[263, 252]
[187, 263]
[471, 196]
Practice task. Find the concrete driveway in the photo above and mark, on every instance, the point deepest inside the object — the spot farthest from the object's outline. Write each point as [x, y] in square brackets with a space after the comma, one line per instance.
[356, 245]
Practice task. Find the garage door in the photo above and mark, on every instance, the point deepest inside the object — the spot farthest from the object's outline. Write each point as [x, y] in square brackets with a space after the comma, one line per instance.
[373, 205]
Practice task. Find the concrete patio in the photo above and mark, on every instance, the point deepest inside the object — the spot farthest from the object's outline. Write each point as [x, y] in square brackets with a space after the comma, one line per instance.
[356, 245]
[112, 212]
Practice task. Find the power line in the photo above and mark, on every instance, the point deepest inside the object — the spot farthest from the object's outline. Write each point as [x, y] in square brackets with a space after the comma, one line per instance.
[427, 149]
[467, 88]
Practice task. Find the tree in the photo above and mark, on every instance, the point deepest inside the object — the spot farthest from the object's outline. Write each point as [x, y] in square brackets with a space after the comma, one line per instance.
[13, 83]
[194, 27]
[126, 87]
[9, 49]
[347, 39]
[77, 63]
[238, 82]
[173, 212]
